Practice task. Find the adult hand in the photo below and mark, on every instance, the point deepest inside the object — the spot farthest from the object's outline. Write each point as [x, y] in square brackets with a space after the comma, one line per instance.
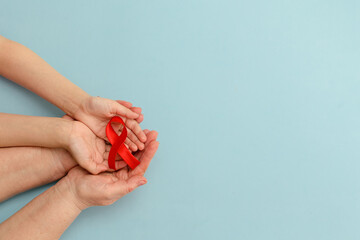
[96, 112]
[106, 188]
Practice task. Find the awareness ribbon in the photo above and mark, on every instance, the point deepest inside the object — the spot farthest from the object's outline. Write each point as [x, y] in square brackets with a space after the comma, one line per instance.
[118, 146]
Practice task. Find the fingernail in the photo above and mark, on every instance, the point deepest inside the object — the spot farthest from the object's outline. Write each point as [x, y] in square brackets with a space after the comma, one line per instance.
[142, 182]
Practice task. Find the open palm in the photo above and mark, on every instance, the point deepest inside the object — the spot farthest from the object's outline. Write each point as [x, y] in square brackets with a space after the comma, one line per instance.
[87, 149]
[106, 188]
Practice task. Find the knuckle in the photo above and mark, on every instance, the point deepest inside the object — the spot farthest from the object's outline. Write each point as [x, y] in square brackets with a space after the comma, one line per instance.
[132, 137]
[131, 124]
[134, 147]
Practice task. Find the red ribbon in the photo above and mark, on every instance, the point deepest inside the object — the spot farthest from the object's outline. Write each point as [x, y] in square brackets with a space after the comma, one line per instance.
[118, 146]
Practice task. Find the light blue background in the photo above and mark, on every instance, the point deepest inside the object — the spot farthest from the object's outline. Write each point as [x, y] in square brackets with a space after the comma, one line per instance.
[257, 105]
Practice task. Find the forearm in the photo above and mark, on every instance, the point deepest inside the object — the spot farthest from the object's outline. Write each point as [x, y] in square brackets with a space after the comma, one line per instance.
[45, 217]
[23, 66]
[23, 168]
[21, 130]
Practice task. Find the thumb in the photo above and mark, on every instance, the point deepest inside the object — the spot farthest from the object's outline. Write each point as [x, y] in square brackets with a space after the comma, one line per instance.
[67, 117]
[93, 167]
[130, 185]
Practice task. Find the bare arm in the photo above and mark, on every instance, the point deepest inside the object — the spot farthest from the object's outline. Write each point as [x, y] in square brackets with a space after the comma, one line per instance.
[86, 148]
[45, 217]
[49, 214]
[21, 65]
[23, 168]
[24, 67]
[21, 130]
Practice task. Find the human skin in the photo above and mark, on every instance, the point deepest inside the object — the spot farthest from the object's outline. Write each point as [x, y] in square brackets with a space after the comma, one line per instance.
[48, 215]
[23, 168]
[23, 66]
[88, 150]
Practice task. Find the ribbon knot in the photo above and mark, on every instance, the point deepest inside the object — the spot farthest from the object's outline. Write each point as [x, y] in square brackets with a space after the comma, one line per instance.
[118, 146]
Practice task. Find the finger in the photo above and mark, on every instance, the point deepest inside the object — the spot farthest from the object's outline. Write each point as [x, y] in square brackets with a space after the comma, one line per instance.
[145, 158]
[120, 110]
[130, 145]
[151, 135]
[127, 142]
[138, 111]
[131, 136]
[121, 187]
[67, 117]
[93, 167]
[134, 109]
[125, 103]
[146, 131]
[127, 146]
[109, 173]
[140, 119]
[138, 154]
[136, 129]
[102, 167]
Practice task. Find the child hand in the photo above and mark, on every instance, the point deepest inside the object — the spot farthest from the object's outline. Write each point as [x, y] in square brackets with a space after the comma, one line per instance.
[90, 151]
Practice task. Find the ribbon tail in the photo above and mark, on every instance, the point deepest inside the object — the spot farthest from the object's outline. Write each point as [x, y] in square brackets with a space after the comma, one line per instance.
[131, 161]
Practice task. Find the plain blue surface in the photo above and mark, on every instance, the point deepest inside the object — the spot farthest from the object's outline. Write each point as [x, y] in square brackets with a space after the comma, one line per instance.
[257, 105]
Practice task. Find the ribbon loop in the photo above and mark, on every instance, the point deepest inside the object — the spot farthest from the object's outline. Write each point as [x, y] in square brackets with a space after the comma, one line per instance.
[118, 146]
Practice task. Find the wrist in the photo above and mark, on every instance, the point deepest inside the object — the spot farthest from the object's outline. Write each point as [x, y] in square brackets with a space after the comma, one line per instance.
[67, 191]
[77, 106]
[63, 130]
[61, 160]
